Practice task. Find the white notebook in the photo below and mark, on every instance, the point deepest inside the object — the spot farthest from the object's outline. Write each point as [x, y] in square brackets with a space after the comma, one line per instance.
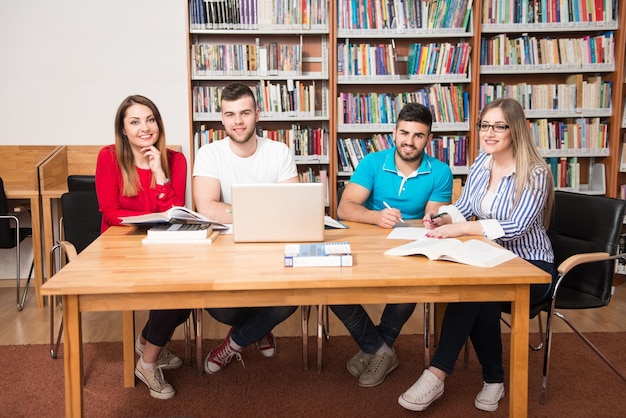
[278, 212]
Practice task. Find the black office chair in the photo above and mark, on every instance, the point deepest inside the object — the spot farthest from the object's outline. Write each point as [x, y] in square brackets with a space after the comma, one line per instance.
[12, 237]
[585, 233]
[81, 183]
[80, 226]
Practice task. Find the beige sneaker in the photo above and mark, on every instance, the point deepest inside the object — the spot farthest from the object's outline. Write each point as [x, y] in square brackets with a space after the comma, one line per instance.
[166, 359]
[358, 364]
[159, 388]
[379, 367]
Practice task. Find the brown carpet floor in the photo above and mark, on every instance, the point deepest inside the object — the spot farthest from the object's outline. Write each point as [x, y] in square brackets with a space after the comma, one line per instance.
[581, 384]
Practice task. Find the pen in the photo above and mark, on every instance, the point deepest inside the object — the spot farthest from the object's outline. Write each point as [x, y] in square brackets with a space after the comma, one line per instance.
[389, 207]
[439, 215]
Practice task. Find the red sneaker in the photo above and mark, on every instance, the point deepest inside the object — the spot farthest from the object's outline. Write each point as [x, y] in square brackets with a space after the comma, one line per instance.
[218, 358]
[267, 345]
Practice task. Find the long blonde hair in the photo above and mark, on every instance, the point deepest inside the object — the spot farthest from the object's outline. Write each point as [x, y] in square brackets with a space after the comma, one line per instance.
[123, 151]
[527, 157]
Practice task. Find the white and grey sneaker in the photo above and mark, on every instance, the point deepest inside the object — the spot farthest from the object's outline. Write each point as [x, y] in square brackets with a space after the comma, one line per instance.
[425, 391]
[489, 396]
[166, 359]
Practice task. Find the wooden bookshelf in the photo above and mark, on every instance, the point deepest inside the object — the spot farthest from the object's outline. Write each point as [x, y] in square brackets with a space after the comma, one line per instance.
[372, 54]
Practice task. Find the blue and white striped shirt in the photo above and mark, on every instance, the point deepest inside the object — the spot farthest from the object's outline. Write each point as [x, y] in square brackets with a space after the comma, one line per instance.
[519, 229]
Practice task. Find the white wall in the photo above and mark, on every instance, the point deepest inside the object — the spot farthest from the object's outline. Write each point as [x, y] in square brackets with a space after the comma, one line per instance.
[65, 66]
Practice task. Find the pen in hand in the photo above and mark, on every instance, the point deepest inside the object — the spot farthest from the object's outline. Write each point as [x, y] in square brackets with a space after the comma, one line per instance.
[439, 215]
[389, 207]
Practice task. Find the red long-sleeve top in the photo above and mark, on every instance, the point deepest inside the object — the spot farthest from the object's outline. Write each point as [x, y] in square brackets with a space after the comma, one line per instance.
[148, 200]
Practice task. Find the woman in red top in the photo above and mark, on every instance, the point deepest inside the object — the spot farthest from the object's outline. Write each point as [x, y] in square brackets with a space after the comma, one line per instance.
[139, 175]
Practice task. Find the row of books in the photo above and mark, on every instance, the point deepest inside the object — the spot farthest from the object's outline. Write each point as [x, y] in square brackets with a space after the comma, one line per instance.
[352, 150]
[306, 143]
[271, 58]
[287, 98]
[548, 11]
[452, 150]
[366, 59]
[574, 96]
[565, 171]
[257, 14]
[580, 134]
[403, 14]
[448, 104]
[503, 50]
[439, 58]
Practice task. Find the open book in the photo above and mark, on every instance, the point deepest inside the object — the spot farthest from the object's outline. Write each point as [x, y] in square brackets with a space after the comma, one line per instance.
[472, 252]
[175, 215]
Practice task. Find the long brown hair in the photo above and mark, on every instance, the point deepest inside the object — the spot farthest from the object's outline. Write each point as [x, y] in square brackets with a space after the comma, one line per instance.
[123, 151]
[527, 157]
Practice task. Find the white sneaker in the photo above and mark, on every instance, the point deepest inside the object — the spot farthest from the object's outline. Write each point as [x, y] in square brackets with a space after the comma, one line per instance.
[489, 396]
[425, 391]
[166, 359]
[159, 388]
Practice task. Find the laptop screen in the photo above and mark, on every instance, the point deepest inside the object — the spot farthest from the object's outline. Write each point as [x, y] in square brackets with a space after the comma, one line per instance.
[278, 212]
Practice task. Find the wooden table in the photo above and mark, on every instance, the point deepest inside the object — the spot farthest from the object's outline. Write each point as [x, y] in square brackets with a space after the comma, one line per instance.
[117, 273]
[19, 174]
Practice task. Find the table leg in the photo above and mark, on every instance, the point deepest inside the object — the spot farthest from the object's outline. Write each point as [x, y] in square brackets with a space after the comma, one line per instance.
[48, 235]
[518, 395]
[35, 214]
[128, 342]
[73, 354]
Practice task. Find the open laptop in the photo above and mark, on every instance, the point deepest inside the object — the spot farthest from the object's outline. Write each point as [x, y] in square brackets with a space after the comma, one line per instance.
[278, 212]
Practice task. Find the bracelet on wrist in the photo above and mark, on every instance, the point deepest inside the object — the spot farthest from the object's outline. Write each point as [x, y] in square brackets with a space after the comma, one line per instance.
[164, 182]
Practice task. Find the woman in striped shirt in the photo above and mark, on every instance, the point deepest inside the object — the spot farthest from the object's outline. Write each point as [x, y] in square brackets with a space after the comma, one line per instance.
[509, 192]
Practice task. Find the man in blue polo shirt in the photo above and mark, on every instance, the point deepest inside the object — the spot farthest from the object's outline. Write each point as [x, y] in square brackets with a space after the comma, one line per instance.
[388, 187]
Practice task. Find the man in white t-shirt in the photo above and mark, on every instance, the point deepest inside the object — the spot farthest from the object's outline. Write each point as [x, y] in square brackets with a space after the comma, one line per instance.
[241, 157]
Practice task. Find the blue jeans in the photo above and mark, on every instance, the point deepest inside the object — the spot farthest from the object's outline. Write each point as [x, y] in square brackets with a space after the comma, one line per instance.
[251, 324]
[368, 336]
[480, 322]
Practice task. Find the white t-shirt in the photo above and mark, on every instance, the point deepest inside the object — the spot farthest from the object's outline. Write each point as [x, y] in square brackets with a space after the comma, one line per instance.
[272, 162]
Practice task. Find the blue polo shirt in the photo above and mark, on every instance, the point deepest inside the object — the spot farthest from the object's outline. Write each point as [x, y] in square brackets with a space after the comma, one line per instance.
[377, 172]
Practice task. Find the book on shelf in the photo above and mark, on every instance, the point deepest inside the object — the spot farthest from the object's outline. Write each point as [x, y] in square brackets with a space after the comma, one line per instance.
[324, 254]
[179, 231]
[164, 239]
[177, 214]
[472, 252]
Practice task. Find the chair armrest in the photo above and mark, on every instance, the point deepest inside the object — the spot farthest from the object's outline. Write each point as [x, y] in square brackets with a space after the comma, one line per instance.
[70, 250]
[577, 259]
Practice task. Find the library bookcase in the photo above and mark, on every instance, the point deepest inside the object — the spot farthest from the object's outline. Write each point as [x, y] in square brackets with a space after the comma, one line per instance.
[330, 77]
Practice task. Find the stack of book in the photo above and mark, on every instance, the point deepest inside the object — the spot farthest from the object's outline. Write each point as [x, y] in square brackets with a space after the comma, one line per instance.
[181, 233]
[324, 254]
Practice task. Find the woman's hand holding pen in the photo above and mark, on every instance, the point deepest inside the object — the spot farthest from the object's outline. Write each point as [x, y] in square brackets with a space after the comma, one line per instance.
[433, 220]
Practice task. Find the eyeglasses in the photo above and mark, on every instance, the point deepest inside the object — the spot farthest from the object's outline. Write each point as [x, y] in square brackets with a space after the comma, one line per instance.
[498, 127]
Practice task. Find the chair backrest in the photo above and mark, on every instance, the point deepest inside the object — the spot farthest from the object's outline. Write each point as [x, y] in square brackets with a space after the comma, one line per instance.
[581, 224]
[6, 237]
[81, 183]
[81, 218]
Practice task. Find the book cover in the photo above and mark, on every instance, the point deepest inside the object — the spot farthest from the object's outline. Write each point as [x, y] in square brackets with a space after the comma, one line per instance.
[207, 241]
[177, 214]
[472, 252]
[325, 254]
[179, 231]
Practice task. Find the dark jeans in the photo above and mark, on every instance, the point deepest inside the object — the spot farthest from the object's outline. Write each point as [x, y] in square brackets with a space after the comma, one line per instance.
[368, 336]
[251, 324]
[162, 323]
[480, 322]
